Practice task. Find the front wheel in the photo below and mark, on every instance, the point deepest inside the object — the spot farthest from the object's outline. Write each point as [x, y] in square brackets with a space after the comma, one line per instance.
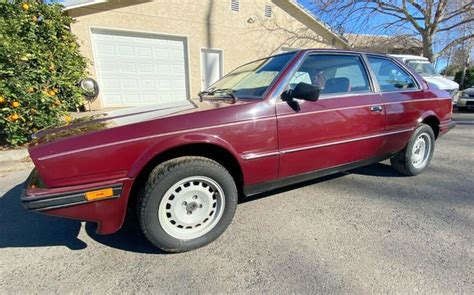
[416, 156]
[187, 203]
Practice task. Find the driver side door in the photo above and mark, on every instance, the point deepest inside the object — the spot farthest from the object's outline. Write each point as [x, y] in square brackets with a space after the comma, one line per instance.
[346, 124]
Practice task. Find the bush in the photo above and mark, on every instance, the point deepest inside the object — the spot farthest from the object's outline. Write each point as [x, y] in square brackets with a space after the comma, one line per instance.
[468, 79]
[40, 67]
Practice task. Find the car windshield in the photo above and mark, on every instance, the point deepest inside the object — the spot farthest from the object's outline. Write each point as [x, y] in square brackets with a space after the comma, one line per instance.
[423, 67]
[250, 80]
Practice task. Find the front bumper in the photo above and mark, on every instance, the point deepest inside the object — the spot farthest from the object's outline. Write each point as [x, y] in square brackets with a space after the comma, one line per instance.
[71, 202]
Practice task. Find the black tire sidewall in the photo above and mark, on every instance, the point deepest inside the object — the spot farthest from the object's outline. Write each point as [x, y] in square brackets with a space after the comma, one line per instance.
[408, 151]
[158, 235]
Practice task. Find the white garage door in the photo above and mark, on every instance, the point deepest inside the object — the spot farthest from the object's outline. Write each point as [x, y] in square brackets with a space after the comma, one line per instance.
[137, 69]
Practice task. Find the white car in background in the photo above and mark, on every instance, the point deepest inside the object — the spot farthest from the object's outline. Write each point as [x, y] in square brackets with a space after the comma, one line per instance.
[423, 66]
[466, 99]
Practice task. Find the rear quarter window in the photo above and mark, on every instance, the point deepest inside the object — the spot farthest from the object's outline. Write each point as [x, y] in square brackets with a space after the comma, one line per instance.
[391, 77]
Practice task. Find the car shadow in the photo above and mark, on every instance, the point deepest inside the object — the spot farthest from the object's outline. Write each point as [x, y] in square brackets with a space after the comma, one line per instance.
[20, 228]
[129, 238]
[378, 169]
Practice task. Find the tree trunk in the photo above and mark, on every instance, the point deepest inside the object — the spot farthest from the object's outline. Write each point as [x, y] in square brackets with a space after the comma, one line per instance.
[427, 46]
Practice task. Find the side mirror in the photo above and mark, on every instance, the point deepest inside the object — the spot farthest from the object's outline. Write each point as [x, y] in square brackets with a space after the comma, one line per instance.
[302, 91]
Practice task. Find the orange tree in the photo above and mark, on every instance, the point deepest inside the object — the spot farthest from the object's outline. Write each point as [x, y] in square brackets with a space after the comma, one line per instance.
[40, 67]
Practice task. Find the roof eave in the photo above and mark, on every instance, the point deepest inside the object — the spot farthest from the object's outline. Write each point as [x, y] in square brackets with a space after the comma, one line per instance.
[79, 5]
[320, 23]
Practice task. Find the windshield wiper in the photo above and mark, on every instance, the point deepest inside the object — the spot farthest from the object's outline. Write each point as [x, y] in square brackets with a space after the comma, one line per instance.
[229, 91]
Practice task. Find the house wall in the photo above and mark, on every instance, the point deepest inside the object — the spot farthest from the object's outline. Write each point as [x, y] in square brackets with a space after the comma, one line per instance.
[207, 24]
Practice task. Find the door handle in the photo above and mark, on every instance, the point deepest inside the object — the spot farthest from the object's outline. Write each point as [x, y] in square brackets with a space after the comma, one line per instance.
[377, 109]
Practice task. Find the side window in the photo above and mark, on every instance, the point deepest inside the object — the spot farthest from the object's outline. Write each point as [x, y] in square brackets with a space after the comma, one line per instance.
[390, 76]
[333, 73]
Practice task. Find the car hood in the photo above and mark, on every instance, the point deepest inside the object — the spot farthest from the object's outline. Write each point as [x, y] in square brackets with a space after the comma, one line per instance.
[441, 82]
[469, 91]
[96, 122]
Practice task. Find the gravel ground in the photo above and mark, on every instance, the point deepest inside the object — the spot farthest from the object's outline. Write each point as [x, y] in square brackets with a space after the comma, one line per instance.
[366, 231]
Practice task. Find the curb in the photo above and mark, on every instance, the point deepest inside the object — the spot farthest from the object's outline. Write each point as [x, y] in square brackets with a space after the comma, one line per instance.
[13, 155]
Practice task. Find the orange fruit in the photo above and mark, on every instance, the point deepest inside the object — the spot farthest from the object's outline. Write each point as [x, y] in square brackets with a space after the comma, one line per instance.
[2, 99]
[51, 93]
[13, 117]
[25, 6]
[68, 119]
[34, 18]
[15, 104]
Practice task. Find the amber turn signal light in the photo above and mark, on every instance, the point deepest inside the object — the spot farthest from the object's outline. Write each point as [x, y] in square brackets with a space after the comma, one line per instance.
[99, 194]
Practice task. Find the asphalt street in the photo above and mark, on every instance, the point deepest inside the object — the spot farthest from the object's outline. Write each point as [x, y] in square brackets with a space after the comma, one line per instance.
[365, 231]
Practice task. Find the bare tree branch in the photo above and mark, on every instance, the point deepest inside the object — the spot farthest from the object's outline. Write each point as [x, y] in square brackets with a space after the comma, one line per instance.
[456, 25]
[450, 15]
[428, 18]
[454, 43]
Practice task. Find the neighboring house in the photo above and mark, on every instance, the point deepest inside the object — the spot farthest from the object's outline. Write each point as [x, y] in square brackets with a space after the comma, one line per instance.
[153, 52]
[385, 44]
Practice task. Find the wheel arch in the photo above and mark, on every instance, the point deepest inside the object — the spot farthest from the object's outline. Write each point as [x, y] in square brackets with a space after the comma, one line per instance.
[431, 120]
[213, 150]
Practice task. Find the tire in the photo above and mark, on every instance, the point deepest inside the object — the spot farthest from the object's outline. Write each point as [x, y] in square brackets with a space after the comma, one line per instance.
[186, 203]
[408, 161]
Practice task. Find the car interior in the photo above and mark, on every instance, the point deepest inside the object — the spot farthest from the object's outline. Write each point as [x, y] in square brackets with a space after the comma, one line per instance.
[333, 74]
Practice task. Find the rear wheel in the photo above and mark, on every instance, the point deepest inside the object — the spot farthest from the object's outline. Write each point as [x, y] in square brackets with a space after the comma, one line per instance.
[416, 156]
[187, 203]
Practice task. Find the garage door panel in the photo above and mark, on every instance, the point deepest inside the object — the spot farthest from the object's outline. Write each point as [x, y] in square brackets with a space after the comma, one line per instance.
[146, 68]
[134, 69]
[146, 52]
[107, 67]
[115, 99]
[110, 84]
[147, 84]
[105, 48]
[162, 53]
[130, 84]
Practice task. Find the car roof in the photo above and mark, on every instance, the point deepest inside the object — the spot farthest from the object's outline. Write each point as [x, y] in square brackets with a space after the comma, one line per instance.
[333, 50]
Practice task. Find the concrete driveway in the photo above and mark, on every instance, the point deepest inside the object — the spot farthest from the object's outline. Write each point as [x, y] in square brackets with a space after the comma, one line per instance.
[365, 231]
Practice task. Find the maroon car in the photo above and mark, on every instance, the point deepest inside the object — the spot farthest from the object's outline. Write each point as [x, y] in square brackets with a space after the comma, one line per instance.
[270, 123]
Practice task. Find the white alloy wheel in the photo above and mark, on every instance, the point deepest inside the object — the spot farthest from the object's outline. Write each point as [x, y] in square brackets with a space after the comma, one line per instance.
[191, 207]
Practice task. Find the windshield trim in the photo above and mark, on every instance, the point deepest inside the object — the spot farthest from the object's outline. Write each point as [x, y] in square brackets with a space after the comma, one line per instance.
[270, 86]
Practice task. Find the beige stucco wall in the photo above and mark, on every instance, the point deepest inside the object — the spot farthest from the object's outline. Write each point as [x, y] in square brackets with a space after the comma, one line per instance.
[207, 24]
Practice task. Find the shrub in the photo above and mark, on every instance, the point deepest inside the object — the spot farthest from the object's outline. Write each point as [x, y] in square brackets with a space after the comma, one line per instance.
[468, 78]
[40, 67]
